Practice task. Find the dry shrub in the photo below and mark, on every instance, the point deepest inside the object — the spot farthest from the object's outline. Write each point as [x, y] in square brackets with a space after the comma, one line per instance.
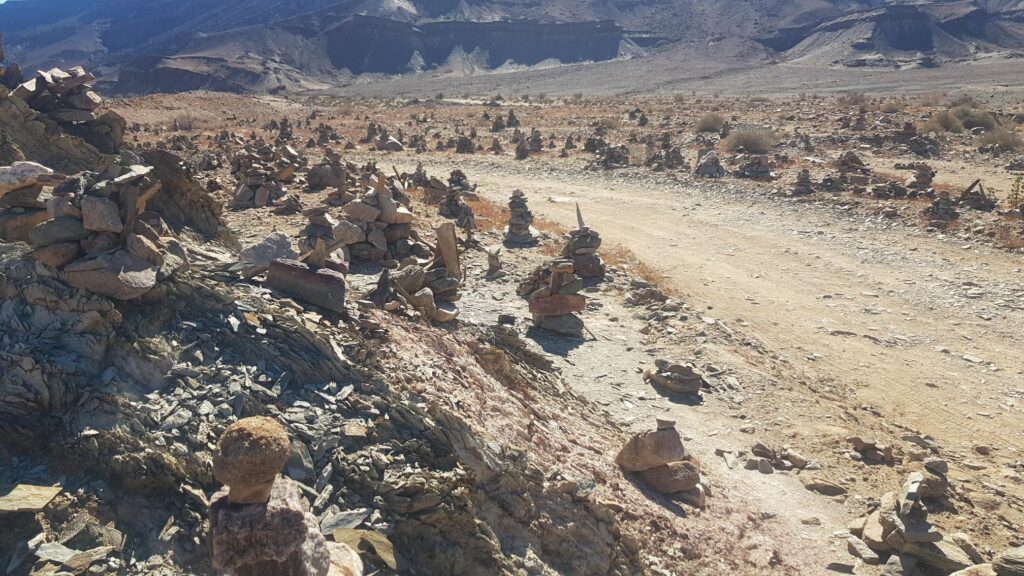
[1001, 137]
[943, 121]
[621, 257]
[711, 123]
[972, 117]
[853, 99]
[1010, 238]
[891, 107]
[186, 121]
[489, 216]
[752, 140]
[612, 123]
[933, 98]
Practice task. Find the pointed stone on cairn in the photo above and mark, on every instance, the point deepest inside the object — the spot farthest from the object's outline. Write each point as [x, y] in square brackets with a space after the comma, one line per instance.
[582, 250]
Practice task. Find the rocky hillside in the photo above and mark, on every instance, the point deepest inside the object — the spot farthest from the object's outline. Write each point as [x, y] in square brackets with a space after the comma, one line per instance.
[270, 45]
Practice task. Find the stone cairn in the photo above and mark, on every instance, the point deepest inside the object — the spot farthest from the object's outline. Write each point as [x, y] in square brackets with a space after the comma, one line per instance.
[804, 186]
[581, 248]
[93, 228]
[752, 166]
[922, 178]
[65, 96]
[377, 224]
[553, 293]
[430, 286]
[853, 172]
[975, 198]
[661, 462]
[942, 210]
[675, 377]
[258, 523]
[520, 229]
[10, 74]
[898, 533]
[709, 166]
[262, 171]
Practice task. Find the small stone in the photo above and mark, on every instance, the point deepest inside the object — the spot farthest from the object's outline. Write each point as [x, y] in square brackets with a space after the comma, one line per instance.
[859, 549]
[101, 215]
[250, 454]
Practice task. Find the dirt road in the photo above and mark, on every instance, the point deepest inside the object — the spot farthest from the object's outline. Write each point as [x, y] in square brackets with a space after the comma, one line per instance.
[926, 330]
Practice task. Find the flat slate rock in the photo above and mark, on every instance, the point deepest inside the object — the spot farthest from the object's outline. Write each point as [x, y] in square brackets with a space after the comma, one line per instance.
[26, 498]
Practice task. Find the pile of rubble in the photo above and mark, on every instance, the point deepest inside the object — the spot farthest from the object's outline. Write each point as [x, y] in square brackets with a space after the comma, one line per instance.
[662, 463]
[553, 294]
[942, 210]
[262, 171]
[520, 221]
[766, 459]
[94, 228]
[431, 287]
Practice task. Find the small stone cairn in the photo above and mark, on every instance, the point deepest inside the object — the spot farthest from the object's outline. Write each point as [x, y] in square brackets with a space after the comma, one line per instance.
[582, 247]
[709, 166]
[520, 229]
[258, 523]
[662, 463]
[553, 293]
[804, 186]
[92, 228]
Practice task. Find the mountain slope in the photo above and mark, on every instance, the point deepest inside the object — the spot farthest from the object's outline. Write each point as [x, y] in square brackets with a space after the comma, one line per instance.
[145, 45]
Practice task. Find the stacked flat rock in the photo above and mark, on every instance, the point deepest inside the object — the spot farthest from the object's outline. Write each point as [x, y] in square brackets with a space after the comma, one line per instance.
[520, 229]
[10, 74]
[64, 96]
[668, 159]
[553, 293]
[674, 377]
[663, 464]
[454, 206]
[258, 522]
[709, 166]
[377, 224]
[804, 186]
[922, 178]
[95, 231]
[853, 171]
[942, 210]
[753, 166]
[431, 290]
[21, 204]
[899, 527]
[612, 157]
[581, 248]
[262, 171]
[975, 198]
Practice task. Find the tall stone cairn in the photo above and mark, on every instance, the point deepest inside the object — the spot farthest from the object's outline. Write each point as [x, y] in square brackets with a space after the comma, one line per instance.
[520, 221]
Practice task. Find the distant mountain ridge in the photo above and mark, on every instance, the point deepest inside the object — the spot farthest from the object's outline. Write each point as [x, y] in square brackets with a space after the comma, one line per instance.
[145, 45]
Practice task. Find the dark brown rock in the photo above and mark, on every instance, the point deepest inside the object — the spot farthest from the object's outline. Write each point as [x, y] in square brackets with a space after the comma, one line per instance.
[324, 287]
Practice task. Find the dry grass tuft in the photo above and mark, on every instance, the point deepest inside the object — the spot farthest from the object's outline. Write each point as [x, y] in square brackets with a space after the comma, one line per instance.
[710, 123]
[1001, 137]
[942, 121]
[752, 140]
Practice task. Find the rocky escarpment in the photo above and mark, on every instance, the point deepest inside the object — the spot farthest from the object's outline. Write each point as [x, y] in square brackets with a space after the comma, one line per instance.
[368, 44]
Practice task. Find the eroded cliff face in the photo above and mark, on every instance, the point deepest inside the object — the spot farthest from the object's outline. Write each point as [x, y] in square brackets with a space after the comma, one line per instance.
[369, 44]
